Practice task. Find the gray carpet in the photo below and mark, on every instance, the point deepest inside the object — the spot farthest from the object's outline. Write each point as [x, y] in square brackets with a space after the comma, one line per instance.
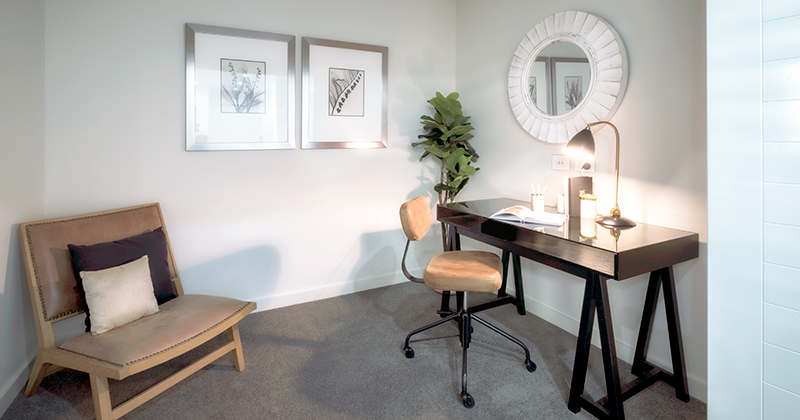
[342, 358]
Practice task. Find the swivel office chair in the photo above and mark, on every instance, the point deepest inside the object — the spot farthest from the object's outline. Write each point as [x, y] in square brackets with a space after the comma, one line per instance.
[459, 271]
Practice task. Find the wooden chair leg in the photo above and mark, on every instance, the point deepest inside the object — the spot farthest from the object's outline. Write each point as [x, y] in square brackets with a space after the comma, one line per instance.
[38, 373]
[101, 397]
[237, 355]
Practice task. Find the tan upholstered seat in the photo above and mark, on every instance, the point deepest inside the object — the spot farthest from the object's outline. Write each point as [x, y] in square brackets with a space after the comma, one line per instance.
[180, 320]
[459, 271]
[180, 325]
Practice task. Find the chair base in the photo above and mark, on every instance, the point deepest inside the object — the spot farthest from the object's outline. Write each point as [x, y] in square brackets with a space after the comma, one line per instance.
[464, 317]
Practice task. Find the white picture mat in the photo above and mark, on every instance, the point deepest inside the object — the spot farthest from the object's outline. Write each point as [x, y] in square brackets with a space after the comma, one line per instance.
[563, 69]
[320, 127]
[215, 127]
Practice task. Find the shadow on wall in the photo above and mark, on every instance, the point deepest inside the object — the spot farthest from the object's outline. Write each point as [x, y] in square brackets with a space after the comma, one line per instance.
[372, 261]
[241, 275]
[380, 255]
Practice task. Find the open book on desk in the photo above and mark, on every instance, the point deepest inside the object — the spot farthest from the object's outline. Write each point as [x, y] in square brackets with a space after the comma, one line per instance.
[522, 214]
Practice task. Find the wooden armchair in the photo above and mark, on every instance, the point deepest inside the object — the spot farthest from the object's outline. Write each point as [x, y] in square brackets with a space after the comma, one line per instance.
[180, 324]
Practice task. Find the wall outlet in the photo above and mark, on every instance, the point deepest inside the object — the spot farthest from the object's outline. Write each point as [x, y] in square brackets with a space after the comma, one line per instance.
[583, 165]
[560, 163]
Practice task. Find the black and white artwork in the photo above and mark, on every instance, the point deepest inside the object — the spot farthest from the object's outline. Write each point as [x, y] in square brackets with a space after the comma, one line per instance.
[345, 95]
[573, 91]
[242, 87]
[532, 87]
[345, 92]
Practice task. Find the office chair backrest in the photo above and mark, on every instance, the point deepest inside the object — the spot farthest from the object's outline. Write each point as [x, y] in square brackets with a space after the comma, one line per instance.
[415, 215]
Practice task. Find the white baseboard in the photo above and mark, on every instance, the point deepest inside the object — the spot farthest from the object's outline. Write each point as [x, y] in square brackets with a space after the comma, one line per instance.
[328, 291]
[16, 383]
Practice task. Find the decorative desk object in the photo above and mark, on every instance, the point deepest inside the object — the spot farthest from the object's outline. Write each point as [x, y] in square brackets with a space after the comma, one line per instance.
[574, 186]
[588, 206]
[537, 202]
[582, 146]
[588, 215]
[537, 198]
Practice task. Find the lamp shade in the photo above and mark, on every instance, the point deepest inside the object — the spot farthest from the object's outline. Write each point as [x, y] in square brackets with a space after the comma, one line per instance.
[582, 145]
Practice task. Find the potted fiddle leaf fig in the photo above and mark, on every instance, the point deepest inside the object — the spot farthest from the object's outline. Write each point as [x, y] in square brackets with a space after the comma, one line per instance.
[447, 135]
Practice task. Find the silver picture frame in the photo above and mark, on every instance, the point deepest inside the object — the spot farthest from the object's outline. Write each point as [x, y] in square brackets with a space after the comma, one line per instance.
[345, 95]
[240, 89]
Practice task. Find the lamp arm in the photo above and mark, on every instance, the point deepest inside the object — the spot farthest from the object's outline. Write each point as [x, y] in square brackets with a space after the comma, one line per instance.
[615, 211]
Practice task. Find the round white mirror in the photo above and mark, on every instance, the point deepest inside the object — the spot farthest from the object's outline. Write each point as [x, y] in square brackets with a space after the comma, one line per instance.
[567, 63]
[571, 69]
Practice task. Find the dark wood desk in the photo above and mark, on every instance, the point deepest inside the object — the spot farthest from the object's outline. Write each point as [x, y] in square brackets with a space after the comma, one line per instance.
[616, 255]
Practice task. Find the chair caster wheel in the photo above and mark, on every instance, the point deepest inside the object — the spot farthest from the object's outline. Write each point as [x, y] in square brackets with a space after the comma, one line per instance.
[409, 353]
[530, 366]
[469, 402]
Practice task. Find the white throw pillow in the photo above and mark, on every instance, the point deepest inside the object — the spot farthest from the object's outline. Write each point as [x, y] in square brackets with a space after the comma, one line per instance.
[119, 295]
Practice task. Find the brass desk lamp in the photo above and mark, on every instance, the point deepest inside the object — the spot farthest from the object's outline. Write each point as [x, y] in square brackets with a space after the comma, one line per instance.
[582, 145]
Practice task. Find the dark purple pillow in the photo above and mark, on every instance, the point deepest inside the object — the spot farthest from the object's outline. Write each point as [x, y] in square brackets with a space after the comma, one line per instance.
[111, 254]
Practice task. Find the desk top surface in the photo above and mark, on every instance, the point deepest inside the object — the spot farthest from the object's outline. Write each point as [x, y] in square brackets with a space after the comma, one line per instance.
[636, 237]
[572, 241]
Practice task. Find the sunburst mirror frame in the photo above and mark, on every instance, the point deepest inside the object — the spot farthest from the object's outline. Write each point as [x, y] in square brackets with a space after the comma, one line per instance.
[608, 63]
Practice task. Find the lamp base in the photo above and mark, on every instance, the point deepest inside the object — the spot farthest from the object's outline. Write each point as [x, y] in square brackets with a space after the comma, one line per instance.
[615, 222]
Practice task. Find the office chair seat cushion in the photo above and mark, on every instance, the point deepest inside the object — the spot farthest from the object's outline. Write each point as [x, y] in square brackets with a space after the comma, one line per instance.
[465, 271]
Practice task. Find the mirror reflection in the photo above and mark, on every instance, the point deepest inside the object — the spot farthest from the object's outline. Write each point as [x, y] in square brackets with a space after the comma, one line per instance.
[559, 78]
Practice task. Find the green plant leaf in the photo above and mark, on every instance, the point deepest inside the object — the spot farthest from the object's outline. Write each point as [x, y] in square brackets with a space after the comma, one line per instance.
[426, 142]
[437, 151]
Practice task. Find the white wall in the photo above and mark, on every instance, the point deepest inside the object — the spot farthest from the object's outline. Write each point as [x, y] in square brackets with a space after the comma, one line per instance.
[662, 122]
[277, 227]
[22, 174]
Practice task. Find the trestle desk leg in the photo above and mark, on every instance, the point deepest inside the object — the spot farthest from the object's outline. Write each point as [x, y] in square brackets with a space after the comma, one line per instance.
[639, 366]
[583, 347]
[675, 341]
[609, 347]
[595, 298]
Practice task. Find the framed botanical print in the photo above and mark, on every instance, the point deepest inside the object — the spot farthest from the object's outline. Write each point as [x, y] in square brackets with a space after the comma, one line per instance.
[345, 95]
[240, 89]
